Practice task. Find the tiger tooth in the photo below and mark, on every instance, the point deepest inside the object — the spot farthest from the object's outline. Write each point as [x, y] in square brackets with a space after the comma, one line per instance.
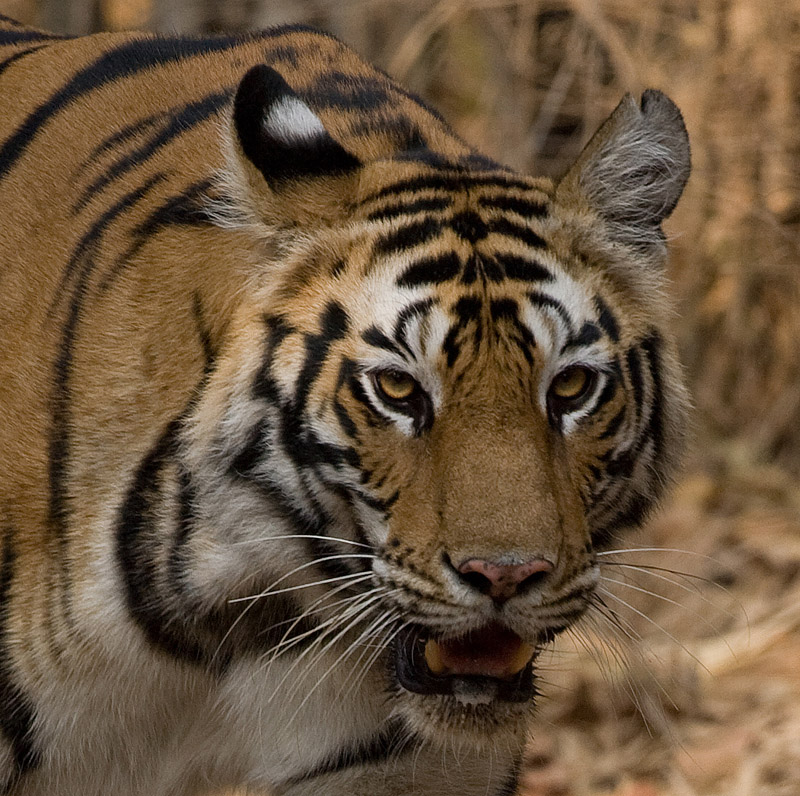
[433, 657]
[521, 658]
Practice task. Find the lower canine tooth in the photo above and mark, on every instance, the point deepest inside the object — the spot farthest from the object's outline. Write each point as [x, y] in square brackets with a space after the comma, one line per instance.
[521, 658]
[433, 657]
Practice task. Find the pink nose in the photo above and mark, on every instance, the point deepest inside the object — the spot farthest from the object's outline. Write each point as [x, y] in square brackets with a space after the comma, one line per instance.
[503, 581]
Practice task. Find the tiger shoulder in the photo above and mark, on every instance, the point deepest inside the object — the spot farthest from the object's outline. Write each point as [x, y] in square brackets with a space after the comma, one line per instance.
[315, 420]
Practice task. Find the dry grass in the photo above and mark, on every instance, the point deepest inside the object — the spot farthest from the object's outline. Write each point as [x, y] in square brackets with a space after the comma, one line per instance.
[527, 81]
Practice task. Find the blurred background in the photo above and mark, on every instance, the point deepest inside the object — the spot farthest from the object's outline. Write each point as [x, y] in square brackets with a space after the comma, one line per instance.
[696, 688]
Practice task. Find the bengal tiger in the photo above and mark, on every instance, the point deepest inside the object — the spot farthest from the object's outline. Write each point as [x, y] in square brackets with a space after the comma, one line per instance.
[314, 419]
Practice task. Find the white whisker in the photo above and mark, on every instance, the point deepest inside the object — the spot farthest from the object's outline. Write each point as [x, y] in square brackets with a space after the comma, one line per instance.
[303, 536]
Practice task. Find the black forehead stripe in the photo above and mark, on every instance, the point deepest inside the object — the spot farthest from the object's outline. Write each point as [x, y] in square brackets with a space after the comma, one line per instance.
[606, 319]
[431, 271]
[375, 337]
[588, 333]
[469, 226]
[417, 309]
[523, 268]
[502, 309]
[424, 205]
[125, 60]
[543, 301]
[507, 309]
[408, 236]
[468, 308]
[522, 206]
[504, 226]
[450, 182]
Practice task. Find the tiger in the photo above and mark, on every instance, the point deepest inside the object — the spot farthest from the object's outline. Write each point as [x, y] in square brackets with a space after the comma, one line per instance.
[315, 419]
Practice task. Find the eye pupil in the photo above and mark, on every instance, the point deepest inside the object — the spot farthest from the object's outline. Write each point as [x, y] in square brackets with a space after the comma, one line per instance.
[395, 385]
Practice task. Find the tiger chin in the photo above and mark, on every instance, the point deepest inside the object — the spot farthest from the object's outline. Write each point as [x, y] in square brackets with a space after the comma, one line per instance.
[314, 419]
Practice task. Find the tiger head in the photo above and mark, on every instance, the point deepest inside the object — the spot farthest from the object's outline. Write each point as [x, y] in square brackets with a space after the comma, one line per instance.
[451, 390]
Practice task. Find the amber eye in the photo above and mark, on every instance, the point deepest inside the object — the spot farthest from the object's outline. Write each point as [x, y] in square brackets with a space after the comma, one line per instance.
[572, 384]
[395, 385]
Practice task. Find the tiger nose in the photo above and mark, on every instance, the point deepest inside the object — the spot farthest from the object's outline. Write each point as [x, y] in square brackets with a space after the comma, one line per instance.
[503, 581]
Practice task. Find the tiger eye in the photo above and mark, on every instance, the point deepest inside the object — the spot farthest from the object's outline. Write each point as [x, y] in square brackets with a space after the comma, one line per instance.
[571, 383]
[395, 385]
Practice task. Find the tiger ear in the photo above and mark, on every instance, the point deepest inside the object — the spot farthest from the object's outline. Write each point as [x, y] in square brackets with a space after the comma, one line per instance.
[285, 151]
[633, 170]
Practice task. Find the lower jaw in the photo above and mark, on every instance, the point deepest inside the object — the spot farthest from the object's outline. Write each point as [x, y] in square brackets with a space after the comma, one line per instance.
[444, 720]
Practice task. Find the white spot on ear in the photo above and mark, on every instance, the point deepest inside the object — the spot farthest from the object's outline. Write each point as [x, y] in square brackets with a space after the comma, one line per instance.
[291, 121]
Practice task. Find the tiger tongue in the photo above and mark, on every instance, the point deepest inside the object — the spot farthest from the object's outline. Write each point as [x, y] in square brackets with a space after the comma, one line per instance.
[493, 651]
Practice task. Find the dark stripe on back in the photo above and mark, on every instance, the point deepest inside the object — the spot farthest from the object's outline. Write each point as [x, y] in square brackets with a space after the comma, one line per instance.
[390, 743]
[17, 56]
[126, 60]
[16, 710]
[125, 134]
[184, 209]
[8, 37]
[179, 121]
[83, 261]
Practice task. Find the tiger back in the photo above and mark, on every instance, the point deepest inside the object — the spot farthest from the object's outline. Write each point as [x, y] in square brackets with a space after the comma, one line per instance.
[314, 418]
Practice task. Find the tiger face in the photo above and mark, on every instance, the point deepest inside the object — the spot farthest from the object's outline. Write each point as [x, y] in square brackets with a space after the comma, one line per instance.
[314, 418]
[455, 392]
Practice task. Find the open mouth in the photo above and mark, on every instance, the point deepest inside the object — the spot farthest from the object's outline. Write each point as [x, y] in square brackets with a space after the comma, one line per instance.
[492, 663]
